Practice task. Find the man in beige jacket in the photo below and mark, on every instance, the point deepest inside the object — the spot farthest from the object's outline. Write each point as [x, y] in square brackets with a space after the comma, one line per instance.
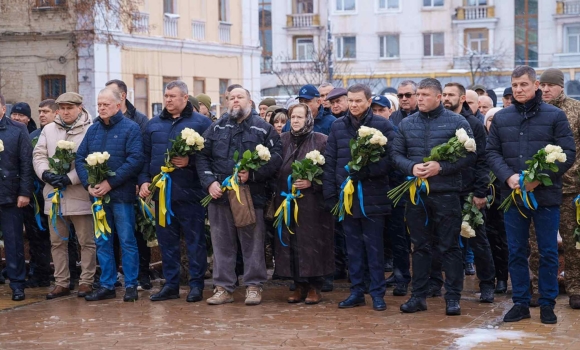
[71, 124]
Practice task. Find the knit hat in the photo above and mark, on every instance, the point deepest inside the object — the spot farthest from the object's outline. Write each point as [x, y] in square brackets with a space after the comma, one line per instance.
[194, 102]
[273, 108]
[21, 108]
[204, 100]
[267, 102]
[552, 76]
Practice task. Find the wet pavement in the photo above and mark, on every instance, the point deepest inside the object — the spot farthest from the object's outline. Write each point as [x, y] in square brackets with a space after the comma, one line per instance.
[73, 323]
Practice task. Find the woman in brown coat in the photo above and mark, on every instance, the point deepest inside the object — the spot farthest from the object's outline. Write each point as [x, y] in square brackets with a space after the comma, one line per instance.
[308, 254]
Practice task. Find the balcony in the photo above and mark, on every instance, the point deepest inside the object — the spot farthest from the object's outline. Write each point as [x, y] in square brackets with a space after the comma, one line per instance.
[469, 13]
[303, 20]
[170, 22]
[568, 8]
[225, 32]
[198, 30]
[140, 22]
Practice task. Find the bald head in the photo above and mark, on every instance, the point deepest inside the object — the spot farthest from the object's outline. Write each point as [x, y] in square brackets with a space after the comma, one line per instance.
[471, 97]
[485, 103]
[108, 103]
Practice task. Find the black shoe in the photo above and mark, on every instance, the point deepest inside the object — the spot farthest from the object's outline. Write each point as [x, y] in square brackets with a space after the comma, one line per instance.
[388, 265]
[469, 269]
[487, 296]
[391, 280]
[36, 283]
[131, 294]
[195, 294]
[547, 315]
[165, 293]
[501, 287]
[340, 275]
[535, 300]
[434, 291]
[101, 294]
[517, 313]
[327, 286]
[2, 279]
[18, 295]
[413, 305]
[452, 308]
[401, 289]
[292, 287]
[379, 304]
[352, 301]
[118, 284]
[144, 283]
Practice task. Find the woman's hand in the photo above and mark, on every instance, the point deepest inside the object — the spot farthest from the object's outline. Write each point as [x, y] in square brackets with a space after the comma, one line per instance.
[302, 184]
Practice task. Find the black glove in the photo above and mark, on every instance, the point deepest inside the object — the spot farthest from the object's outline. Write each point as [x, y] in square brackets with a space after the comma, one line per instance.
[360, 175]
[62, 181]
[329, 203]
[50, 178]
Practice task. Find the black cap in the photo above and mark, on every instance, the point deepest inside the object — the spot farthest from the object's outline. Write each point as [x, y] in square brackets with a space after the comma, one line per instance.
[21, 108]
[507, 92]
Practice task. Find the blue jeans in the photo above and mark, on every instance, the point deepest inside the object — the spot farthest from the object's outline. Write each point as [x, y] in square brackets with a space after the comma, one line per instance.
[121, 219]
[546, 222]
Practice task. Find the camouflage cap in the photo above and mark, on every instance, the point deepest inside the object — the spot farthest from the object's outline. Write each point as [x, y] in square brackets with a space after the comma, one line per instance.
[70, 98]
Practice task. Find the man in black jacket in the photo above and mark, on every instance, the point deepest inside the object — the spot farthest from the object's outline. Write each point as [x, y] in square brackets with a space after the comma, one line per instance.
[439, 211]
[517, 133]
[407, 94]
[364, 229]
[15, 193]
[241, 130]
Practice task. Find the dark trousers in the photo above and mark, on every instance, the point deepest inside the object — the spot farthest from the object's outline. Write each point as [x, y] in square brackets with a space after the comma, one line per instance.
[495, 229]
[396, 230]
[443, 210]
[190, 219]
[73, 255]
[340, 255]
[11, 224]
[38, 243]
[365, 235]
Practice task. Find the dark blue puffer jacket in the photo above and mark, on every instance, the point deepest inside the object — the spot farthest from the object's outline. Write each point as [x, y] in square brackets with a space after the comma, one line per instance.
[397, 117]
[520, 131]
[185, 186]
[122, 139]
[136, 116]
[322, 122]
[419, 133]
[475, 178]
[15, 162]
[337, 155]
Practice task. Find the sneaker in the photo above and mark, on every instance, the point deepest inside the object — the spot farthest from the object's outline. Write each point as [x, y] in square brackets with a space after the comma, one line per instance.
[547, 315]
[413, 305]
[144, 283]
[401, 289]
[434, 291]
[575, 301]
[517, 313]
[130, 294]
[487, 296]
[253, 295]
[220, 296]
[469, 269]
[452, 308]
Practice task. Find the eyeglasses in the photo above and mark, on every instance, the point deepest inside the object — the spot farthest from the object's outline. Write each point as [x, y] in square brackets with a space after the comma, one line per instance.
[407, 95]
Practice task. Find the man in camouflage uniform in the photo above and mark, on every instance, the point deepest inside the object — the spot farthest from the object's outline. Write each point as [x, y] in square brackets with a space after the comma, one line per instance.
[552, 86]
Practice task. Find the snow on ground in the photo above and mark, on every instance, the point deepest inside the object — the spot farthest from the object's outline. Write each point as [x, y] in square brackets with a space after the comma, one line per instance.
[470, 338]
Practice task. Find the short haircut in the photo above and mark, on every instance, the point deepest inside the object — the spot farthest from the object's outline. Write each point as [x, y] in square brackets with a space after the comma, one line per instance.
[2, 100]
[121, 84]
[460, 87]
[116, 95]
[283, 117]
[527, 70]
[324, 84]
[361, 87]
[430, 83]
[233, 86]
[178, 84]
[50, 103]
[407, 83]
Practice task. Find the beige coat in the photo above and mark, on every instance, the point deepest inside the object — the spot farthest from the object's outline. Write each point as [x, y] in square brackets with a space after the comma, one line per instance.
[75, 200]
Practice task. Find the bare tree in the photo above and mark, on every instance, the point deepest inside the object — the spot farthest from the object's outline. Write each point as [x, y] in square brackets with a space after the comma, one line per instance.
[482, 65]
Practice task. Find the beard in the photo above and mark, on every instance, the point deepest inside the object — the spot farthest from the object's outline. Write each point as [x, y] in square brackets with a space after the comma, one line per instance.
[452, 107]
[238, 113]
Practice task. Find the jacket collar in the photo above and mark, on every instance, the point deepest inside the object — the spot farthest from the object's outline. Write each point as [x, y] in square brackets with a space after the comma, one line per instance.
[466, 110]
[130, 109]
[355, 122]
[405, 114]
[558, 101]
[434, 113]
[83, 120]
[116, 119]
[531, 106]
[186, 113]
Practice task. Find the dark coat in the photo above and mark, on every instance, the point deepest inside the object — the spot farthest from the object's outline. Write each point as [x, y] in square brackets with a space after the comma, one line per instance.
[15, 162]
[122, 139]
[157, 138]
[399, 115]
[419, 133]
[314, 236]
[136, 116]
[337, 155]
[520, 131]
[322, 122]
[475, 178]
[226, 136]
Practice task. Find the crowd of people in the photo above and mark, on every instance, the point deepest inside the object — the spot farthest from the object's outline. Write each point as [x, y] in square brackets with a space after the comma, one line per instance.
[419, 236]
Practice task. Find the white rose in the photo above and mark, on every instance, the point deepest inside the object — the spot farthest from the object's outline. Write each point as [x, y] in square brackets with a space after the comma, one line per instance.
[383, 141]
[561, 157]
[462, 136]
[92, 160]
[578, 245]
[321, 160]
[61, 144]
[364, 131]
[199, 140]
[264, 154]
[101, 158]
[549, 148]
[375, 140]
[470, 145]
[1, 146]
[190, 140]
[106, 155]
[187, 132]
[551, 157]
[260, 148]
[71, 145]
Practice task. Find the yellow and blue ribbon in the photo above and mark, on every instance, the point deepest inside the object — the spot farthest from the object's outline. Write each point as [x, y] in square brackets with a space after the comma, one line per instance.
[419, 186]
[232, 182]
[576, 202]
[527, 197]
[55, 210]
[37, 206]
[346, 196]
[100, 219]
[284, 211]
[145, 209]
[163, 182]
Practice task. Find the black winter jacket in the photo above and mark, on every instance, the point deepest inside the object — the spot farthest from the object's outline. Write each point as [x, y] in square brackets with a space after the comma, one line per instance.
[475, 178]
[400, 114]
[223, 138]
[15, 162]
[136, 116]
[337, 155]
[419, 133]
[520, 131]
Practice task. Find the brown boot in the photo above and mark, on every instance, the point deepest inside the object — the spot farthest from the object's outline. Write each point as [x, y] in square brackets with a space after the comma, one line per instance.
[313, 297]
[297, 295]
[575, 301]
[84, 290]
[58, 292]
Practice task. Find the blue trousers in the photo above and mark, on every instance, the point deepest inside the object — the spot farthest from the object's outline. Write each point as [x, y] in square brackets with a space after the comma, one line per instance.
[121, 219]
[365, 235]
[11, 225]
[546, 221]
[190, 219]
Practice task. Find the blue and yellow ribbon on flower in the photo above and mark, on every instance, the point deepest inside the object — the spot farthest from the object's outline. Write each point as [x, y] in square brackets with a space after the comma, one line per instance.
[527, 198]
[284, 212]
[37, 206]
[163, 182]
[576, 202]
[100, 219]
[346, 197]
[418, 186]
[55, 210]
[232, 183]
[145, 209]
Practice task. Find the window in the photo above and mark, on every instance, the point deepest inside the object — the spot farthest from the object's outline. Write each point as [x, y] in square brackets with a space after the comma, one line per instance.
[526, 32]
[573, 89]
[345, 5]
[432, 3]
[50, 3]
[346, 47]
[265, 19]
[476, 2]
[304, 6]
[198, 86]
[390, 5]
[223, 10]
[53, 86]
[141, 93]
[167, 80]
[304, 49]
[389, 46]
[433, 44]
[476, 40]
[573, 39]
[169, 6]
[224, 83]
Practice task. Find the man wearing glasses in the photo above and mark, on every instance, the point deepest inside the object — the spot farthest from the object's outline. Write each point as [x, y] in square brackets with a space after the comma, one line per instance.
[407, 94]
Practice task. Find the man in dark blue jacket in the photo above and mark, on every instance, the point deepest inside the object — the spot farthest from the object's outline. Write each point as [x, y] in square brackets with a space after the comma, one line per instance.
[186, 192]
[364, 229]
[407, 94]
[437, 213]
[15, 192]
[517, 133]
[322, 119]
[121, 138]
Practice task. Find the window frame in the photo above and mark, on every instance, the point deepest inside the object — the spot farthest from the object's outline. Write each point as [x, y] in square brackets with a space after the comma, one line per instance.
[173, 7]
[50, 4]
[431, 49]
[49, 77]
[340, 43]
[335, 9]
[467, 41]
[432, 6]
[378, 8]
[137, 97]
[199, 79]
[166, 80]
[224, 13]
[567, 39]
[295, 6]
[383, 41]
[296, 51]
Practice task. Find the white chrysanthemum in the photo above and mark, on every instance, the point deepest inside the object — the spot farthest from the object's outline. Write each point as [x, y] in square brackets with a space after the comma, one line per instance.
[106, 155]
[561, 157]
[470, 145]
[1, 146]
[92, 159]
[551, 157]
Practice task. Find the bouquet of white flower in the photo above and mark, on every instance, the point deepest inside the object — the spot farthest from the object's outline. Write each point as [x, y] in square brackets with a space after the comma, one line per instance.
[309, 168]
[60, 163]
[472, 217]
[99, 171]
